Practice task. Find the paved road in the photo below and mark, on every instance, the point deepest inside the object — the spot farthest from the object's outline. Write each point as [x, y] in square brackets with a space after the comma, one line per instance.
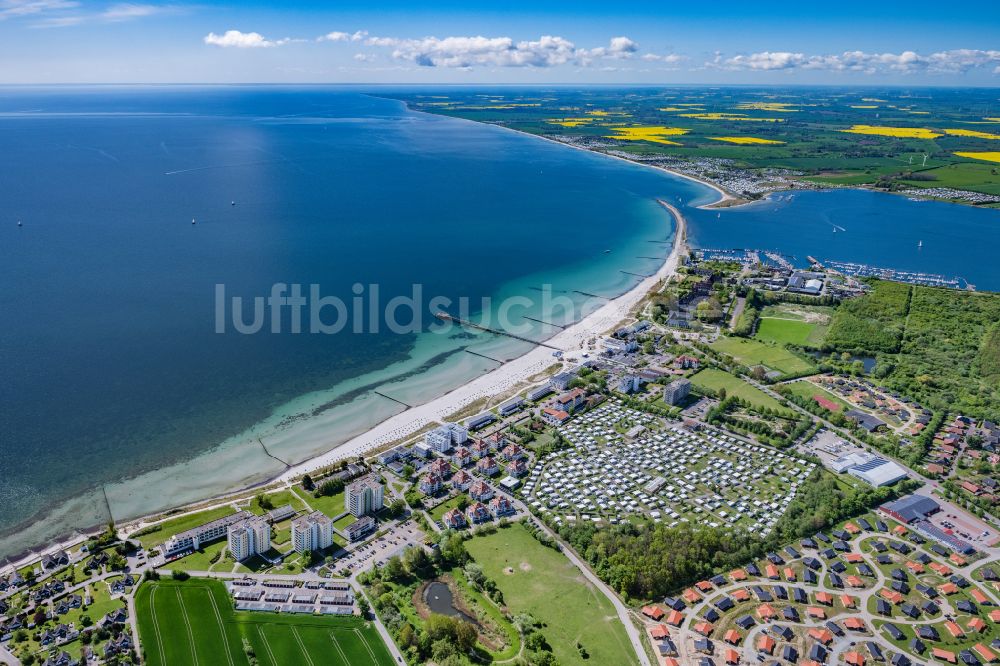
[685, 636]
[624, 614]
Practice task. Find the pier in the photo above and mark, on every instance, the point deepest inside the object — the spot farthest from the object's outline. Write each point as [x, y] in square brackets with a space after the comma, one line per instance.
[271, 455]
[471, 324]
[587, 293]
[547, 323]
[488, 358]
[638, 275]
[389, 397]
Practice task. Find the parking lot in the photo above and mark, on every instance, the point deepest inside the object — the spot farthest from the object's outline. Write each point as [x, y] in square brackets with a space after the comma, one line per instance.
[376, 551]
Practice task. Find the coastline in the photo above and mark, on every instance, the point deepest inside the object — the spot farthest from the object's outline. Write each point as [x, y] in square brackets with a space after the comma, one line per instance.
[513, 373]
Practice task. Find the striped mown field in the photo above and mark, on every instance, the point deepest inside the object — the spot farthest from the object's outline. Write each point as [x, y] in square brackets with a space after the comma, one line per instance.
[193, 622]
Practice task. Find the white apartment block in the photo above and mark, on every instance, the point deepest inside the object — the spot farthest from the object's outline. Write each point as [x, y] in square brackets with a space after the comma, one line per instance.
[446, 436]
[249, 537]
[364, 496]
[312, 532]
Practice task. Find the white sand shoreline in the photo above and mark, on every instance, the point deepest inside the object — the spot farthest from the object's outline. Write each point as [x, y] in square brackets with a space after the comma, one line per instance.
[511, 374]
[507, 376]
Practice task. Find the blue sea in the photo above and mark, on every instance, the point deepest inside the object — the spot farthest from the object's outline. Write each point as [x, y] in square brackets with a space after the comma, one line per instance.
[116, 385]
[119, 395]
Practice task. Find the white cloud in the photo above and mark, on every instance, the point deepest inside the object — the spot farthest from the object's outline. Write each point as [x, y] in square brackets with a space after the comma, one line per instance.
[127, 11]
[241, 40]
[337, 36]
[364, 57]
[480, 51]
[956, 61]
[670, 58]
[12, 8]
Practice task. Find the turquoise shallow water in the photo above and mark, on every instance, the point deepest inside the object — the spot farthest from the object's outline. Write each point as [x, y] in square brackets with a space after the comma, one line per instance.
[119, 398]
[112, 367]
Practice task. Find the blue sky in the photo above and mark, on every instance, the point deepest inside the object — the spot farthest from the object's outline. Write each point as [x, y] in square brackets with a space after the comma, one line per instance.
[754, 41]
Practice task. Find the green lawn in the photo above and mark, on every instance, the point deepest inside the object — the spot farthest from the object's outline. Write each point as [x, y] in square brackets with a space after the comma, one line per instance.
[193, 623]
[437, 513]
[791, 331]
[542, 582]
[278, 499]
[714, 379]
[331, 505]
[171, 527]
[753, 352]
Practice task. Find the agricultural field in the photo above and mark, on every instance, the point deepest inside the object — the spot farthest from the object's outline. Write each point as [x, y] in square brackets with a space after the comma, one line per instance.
[941, 139]
[713, 379]
[754, 352]
[786, 323]
[192, 622]
[539, 580]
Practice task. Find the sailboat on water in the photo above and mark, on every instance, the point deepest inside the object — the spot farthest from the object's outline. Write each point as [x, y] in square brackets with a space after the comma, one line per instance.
[920, 244]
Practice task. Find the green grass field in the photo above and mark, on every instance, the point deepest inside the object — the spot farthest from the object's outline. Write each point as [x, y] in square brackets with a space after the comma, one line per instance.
[714, 379]
[541, 581]
[790, 331]
[193, 622]
[753, 352]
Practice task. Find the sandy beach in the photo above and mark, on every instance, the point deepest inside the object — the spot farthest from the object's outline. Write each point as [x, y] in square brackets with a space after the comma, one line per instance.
[570, 340]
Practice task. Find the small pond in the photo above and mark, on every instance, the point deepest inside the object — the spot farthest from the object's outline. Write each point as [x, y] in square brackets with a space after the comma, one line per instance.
[439, 599]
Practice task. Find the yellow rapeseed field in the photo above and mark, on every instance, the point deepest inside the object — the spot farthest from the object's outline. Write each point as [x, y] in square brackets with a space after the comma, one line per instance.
[570, 122]
[745, 140]
[972, 133]
[651, 134]
[988, 157]
[783, 107]
[730, 116]
[898, 132]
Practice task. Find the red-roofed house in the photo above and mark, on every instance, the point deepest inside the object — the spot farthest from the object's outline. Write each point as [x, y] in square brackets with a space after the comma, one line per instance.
[816, 612]
[854, 558]
[674, 618]
[943, 655]
[985, 653]
[732, 637]
[847, 600]
[824, 598]
[771, 572]
[732, 657]
[978, 596]
[976, 624]
[948, 588]
[855, 624]
[654, 612]
[659, 631]
[555, 416]
[824, 636]
[855, 659]
[704, 586]
[891, 596]
[765, 612]
[741, 594]
[738, 575]
[704, 628]
[854, 581]
[954, 629]
[790, 574]
[766, 644]
[691, 596]
[480, 491]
